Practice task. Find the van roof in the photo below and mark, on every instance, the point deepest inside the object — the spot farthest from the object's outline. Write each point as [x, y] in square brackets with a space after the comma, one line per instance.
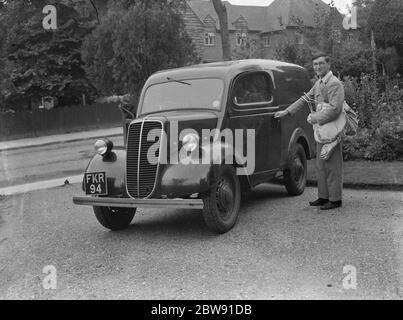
[225, 69]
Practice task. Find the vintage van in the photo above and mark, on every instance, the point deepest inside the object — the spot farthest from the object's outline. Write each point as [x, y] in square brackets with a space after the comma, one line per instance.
[202, 135]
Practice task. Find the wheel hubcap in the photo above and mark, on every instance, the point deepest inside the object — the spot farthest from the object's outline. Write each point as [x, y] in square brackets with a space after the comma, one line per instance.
[299, 170]
[225, 197]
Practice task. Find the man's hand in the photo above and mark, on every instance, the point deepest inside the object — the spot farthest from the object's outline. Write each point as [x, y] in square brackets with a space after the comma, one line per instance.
[280, 114]
[312, 118]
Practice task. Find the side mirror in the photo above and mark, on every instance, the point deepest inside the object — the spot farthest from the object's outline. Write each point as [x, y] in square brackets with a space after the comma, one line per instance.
[124, 108]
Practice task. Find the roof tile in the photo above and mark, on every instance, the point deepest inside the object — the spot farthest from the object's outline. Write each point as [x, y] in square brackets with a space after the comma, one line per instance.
[263, 18]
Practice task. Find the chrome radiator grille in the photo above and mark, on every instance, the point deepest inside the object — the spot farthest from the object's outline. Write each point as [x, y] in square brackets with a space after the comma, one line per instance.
[140, 173]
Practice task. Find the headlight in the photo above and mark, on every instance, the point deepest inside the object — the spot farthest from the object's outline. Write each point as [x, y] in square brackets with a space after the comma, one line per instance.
[190, 142]
[103, 146]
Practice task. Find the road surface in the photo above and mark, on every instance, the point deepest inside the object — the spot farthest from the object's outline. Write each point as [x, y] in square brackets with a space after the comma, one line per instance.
[34, 164]
[280, 249]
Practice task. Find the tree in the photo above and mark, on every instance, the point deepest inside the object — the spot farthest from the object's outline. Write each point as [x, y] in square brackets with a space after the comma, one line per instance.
[320, 36]
[2, 55]
[389, 60]
[350, 49]
[133, 40]
[352, 58]
[6, 87]
[289, 51]
[364, 8]
[386, 21]
[221, 11]
[46, 62]
[249, 49]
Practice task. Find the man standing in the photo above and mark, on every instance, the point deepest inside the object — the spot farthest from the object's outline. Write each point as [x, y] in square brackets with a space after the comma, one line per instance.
[328, 93]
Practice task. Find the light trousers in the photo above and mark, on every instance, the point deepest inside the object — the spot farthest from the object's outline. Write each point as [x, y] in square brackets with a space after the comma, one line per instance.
[330, 174]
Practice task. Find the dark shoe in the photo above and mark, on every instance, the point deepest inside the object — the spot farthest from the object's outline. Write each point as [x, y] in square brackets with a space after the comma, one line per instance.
[331, 205]
[319, 202]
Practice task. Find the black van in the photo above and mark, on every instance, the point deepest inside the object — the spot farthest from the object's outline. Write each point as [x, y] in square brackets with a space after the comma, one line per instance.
[201, 136]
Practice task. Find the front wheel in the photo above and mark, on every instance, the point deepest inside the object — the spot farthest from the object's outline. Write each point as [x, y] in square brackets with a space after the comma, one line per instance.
[223, 200]
[295, 175]
[114, 218]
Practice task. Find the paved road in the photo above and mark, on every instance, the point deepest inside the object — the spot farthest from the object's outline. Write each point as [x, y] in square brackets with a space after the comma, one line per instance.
[280, 249]
[46, 162]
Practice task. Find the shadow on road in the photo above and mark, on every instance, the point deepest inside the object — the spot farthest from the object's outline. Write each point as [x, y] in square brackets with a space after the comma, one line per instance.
[190, 223]
[263, 193]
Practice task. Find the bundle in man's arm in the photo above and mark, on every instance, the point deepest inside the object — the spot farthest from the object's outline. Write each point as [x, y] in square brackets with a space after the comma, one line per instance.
[331, 111]
[330, 119]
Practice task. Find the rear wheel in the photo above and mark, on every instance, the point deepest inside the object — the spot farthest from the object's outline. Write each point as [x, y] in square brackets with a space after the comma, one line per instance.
[114, 218]
[222, 202]
[295, 175]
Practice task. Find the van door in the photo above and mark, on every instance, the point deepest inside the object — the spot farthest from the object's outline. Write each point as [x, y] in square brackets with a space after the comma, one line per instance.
[252, 109]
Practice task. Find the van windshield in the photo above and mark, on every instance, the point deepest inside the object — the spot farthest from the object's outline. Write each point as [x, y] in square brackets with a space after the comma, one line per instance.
[183, 94]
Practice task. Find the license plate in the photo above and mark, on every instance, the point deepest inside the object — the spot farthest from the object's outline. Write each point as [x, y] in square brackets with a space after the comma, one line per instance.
[95, 183]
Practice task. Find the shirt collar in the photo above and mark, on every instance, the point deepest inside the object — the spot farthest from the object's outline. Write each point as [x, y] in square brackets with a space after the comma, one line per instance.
[327, 77]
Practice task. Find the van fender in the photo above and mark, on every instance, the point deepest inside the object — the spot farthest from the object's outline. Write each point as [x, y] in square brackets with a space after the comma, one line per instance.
[198, 176]
[298, 136]
[224, 153]
[114, 165]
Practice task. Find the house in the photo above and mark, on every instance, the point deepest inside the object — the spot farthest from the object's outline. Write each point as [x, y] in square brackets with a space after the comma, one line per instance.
[263, 26]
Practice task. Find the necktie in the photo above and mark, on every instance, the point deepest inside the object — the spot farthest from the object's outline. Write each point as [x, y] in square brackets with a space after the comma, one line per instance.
[321, 85]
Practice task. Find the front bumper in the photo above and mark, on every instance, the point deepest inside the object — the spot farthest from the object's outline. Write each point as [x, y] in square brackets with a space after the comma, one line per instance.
[139, 203]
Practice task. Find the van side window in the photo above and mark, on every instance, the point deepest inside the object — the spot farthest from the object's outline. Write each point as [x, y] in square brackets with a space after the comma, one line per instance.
[253, 88]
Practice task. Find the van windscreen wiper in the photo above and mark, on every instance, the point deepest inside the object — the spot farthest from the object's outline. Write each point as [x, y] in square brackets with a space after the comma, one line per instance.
[170, 79]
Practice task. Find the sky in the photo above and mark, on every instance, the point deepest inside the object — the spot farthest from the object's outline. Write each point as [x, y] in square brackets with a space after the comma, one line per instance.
[340, 4]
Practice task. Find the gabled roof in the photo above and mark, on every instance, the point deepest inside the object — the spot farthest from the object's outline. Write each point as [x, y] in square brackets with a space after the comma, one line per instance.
[283, 13]
[263, 18]
[254, 15]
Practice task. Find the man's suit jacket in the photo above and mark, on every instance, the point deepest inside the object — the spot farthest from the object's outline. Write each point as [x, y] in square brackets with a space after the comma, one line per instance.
[328, 93]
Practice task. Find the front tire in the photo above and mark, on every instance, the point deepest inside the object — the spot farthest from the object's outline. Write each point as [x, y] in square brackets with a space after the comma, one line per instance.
[114, 218]
[295, 175]
[223, 200]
